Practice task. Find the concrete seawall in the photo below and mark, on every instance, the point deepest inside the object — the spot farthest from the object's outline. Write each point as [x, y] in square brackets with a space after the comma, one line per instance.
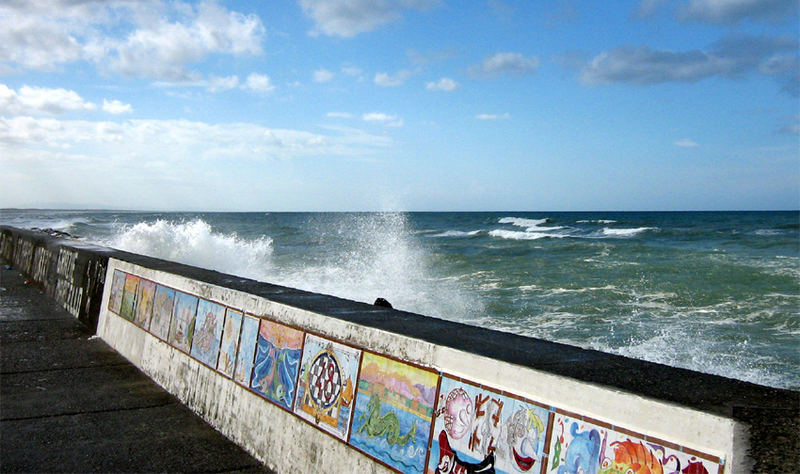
[313, 383]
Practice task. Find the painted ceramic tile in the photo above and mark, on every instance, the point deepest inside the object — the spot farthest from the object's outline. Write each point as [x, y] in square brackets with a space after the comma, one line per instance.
[181, 329]
[115, 299]
[277, 362]
[325, 387]
[393, 411]
[144, 303]
[207, 332]
[230, 342]
[162, 311]
[578, 446]
[476, 428]
[247, 349]
[128, 305]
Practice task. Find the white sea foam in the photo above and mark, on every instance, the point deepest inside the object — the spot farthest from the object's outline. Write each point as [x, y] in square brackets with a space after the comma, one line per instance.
[521, 221]
[378, 260]
[596, 221]
[458, 233]
[625, 232]
[520, 235]
[195, 243]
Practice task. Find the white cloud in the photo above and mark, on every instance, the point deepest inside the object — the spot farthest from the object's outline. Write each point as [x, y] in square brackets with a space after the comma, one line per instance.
[734, 11]
[349, 18]
[492, 116]
[506, 64]
[40, 100]
[344, 115]
[259, 83]
[351, 70]
[219, 84]
[391, 80]
[152, 39]
[322, 75]
[378, 117]
[443, 84]
[116, 107]
[179, 140]
[686, 143]
[729, 57]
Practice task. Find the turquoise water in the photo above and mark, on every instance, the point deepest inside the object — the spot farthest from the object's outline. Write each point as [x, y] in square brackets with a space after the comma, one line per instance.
[717, 292]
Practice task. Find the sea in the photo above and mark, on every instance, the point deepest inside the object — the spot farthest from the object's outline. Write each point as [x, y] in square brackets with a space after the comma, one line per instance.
[716, 292]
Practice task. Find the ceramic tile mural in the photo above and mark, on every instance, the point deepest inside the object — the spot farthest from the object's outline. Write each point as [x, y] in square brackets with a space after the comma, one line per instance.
[230, 342]
[327, 384]
[117, 284]
[128, 305]
[277, 362]
[393, 411]
[579, 446]
[162, 311]
[181, 329]
[405, 417]
[247, 349]
[477, 428]
[144, 303]
[207, 332]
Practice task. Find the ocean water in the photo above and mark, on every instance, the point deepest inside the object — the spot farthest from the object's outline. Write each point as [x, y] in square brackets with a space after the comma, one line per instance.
[716, 292]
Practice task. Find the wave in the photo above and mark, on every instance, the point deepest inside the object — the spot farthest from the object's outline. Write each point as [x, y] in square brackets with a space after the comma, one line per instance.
[596, 221]
[626, 232]
[522, 221]
[458, 233]
[196, 243]
[520, 235]
[376, 257]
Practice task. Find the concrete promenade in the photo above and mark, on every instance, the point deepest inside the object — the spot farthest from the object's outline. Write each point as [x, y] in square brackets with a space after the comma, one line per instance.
[69, 403]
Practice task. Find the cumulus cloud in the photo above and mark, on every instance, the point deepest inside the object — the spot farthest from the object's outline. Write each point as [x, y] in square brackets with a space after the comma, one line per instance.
[116, 107]
[734, 11]
[391, 80]
[730, 57]
[385, 119]
[492, 116]
[443, 84]
[378, 117]
[322, 75]
[40, 100]
[347, 19]
[686, 143]
[506, 64]
[259, 83]
[153, 39]
[219, 84]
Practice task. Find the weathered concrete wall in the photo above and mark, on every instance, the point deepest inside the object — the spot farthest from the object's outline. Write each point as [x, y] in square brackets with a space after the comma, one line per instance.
[319, 384]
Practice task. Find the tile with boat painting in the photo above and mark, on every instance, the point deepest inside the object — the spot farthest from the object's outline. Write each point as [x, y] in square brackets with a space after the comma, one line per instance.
[207, 332]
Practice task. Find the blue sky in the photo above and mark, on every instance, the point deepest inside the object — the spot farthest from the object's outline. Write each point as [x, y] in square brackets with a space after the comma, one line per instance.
[400, 105]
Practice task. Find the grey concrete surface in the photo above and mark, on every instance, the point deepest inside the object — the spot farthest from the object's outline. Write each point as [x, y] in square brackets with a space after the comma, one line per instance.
[70, 403]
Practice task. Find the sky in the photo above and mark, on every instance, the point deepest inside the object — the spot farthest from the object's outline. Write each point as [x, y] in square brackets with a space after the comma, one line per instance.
[419, 105]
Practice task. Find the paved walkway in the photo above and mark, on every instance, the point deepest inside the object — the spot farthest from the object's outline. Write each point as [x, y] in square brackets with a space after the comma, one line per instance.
[70, 403]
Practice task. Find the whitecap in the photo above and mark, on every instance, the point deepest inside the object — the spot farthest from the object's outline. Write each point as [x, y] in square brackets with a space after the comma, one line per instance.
[520, 235]
[458, 233]
[522, 221]
[625, 232]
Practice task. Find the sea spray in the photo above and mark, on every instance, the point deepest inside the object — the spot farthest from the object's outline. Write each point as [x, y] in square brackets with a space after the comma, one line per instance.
[195, 243]
[711, 291]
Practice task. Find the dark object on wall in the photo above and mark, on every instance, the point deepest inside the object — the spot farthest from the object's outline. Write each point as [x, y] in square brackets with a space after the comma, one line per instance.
[382, 302]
